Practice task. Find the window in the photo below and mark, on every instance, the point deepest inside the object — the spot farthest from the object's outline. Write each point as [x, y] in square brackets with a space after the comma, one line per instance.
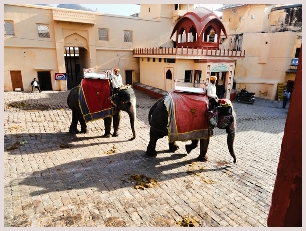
[169, 60]
[8, 28]
[159, 59]
[188, 77]
[153, 59]
[128, 36]
[197, 79]
[148, 59]
[103, 34]
[43, 31]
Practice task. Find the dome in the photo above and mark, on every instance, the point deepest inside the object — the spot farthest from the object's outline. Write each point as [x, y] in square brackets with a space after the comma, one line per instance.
[200, 16]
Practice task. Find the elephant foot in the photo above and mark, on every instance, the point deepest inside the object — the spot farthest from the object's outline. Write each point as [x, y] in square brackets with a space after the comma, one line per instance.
[73, 131]
[150, 152]
[115, 134]
[106, 135]
[202, 159]
[83, 131]
[173, 147]
[188, 148]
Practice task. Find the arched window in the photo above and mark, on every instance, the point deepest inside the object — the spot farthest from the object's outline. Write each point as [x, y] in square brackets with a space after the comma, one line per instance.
[168, 74]
[210, 35]
[192, 35]
[182, 36]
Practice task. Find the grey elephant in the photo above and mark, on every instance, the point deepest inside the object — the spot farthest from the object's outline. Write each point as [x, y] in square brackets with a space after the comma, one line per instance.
[124, 100]
[160, 119]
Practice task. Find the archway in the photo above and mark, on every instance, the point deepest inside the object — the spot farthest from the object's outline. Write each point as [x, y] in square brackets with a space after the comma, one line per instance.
[76, 57]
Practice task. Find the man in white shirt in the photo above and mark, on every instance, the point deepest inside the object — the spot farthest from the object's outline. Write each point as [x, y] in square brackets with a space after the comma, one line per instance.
[116, 80]
[35, 84]
[286, 97]
[211, 93]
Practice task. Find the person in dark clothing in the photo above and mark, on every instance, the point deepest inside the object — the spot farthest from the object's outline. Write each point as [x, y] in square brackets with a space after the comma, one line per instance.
[286, 97]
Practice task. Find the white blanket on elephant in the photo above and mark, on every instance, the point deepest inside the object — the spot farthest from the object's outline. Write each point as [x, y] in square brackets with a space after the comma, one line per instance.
[93, 75]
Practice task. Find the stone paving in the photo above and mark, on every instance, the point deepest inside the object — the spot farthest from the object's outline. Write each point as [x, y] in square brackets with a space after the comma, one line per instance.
[54, 179]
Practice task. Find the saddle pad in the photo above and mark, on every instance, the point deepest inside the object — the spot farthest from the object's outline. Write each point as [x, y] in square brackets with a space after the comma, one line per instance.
[94, 99]
[187, 116]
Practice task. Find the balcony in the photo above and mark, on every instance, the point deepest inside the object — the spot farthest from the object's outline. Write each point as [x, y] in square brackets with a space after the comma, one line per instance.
[186, 52]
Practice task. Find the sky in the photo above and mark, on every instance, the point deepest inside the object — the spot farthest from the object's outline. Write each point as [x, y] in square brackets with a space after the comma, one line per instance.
[129, 9]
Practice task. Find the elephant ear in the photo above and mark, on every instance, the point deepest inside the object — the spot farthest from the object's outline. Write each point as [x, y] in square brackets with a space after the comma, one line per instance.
[126, 94]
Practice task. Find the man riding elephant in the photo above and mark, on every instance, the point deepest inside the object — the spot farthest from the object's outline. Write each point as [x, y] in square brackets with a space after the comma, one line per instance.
[92, 100]
[185, 116]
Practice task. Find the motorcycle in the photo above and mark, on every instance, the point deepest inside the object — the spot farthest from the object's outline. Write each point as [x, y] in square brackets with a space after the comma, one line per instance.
[245, 96]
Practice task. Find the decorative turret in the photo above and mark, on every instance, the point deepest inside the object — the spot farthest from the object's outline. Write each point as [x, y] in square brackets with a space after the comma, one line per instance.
[200, 28]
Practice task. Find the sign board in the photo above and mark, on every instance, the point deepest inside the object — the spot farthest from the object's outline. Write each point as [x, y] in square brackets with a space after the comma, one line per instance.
[219, 68]
[60, 76]
[294, 62]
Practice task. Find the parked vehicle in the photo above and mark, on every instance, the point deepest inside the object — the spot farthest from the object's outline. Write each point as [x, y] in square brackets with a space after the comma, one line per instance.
[245, 96]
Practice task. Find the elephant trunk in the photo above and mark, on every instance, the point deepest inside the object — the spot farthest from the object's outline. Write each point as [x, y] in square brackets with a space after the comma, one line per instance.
[132, 115]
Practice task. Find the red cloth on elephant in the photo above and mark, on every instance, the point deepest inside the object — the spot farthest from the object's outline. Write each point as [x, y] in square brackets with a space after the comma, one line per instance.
[187, 116]
[94, 99]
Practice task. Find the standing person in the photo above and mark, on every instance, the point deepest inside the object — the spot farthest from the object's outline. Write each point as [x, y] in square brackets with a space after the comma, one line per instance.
[35, 84]
[211, 93]
[286, 97]
[116, 80]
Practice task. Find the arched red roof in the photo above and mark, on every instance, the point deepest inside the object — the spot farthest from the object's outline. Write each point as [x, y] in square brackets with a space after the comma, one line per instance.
[200, 16]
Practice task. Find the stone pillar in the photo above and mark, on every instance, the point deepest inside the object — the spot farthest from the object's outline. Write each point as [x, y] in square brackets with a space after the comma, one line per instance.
[286, 205]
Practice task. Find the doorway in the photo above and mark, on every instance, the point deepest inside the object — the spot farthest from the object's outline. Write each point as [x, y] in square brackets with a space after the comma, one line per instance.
[73, 67]
[128, 77]
[220, 84]
[44, 78]
[16, 79]
[169, 78]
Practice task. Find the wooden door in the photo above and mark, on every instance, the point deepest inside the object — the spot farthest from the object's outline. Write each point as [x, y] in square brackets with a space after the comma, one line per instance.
[16, 79]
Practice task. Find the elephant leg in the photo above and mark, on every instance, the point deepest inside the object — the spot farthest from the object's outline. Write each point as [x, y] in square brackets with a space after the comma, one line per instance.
[190, 147]
[173, 146]
[116, 121]
[83, 125]
[203, 149]
[107, 126]
[230, 143]
[152, 143]
[74, 122]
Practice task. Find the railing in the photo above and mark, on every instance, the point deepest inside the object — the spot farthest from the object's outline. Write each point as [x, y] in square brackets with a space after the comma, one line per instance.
[181, 51]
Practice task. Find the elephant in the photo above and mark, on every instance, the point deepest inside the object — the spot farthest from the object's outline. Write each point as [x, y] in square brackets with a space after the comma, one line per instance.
[124, 100]
[159, 118]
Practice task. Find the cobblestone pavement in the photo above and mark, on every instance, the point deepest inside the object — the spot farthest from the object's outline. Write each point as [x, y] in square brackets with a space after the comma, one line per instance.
[54, 179]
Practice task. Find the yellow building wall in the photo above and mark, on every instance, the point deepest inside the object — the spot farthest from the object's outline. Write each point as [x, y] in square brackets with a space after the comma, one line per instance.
[154, 73]
[247, 18]
[270, 55]
[48, 53]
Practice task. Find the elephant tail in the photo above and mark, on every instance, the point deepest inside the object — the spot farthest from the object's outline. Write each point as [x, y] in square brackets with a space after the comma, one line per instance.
[153, 108]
